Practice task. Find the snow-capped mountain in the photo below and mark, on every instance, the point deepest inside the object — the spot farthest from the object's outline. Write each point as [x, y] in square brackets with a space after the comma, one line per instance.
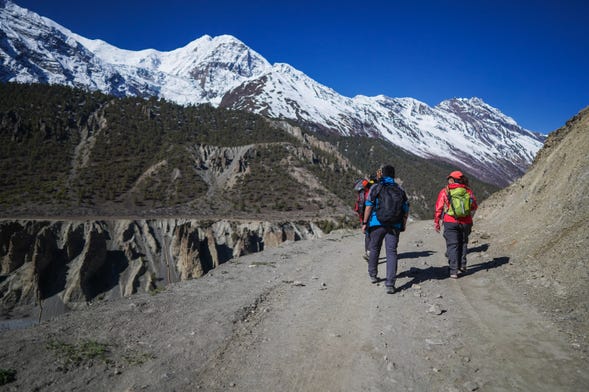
[36, 49]
[223, 71]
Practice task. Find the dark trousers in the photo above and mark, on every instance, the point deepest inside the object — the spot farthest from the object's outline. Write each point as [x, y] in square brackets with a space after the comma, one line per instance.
[456, 235]
[391, 240]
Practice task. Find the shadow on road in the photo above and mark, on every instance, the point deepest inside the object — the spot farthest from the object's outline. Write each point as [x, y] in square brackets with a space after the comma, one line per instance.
[496, 262]
[419, 275]
[415, 255]
[408, 255]
[480, 248]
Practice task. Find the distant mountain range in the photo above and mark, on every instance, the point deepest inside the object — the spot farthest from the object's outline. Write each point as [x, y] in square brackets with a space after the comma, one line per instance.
[224, 72]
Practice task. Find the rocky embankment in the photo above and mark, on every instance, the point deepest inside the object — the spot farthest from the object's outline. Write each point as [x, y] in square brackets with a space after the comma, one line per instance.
[74, 262]
[541, 222]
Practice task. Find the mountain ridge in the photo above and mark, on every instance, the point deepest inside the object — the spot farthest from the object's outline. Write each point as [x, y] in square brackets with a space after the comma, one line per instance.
[225, 72]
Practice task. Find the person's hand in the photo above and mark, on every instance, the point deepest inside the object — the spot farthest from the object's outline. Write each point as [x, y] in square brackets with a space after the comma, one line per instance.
[363, 228]
[437, 227]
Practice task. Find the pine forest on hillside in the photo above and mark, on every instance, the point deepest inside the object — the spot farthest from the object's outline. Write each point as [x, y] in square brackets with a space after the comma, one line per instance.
[70, 152]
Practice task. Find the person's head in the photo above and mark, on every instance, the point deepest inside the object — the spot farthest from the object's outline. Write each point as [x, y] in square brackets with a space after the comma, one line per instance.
[455, 177]
[388, 171]
[379, 173]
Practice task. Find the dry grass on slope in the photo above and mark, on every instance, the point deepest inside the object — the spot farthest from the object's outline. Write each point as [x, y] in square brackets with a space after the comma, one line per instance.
[541, 222]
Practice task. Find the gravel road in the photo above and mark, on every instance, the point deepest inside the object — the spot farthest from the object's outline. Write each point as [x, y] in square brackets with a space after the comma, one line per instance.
[305, 317]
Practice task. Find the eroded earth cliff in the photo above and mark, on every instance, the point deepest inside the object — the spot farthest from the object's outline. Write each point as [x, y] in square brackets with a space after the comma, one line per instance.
[70, 263]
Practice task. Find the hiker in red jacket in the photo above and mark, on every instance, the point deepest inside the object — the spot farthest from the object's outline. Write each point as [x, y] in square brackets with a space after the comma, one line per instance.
[362, 187]
[455, 206]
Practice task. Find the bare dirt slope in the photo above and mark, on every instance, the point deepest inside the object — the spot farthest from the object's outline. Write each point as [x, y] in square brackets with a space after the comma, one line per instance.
[542, 223]
[304, 317]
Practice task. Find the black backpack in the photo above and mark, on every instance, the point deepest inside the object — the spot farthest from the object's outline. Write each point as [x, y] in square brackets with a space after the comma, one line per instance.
[389, 208]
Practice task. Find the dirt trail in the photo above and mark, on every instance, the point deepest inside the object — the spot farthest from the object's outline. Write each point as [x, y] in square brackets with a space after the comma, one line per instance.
[305, 317]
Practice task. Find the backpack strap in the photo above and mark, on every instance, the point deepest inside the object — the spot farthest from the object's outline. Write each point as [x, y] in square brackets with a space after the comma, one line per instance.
[378, 190]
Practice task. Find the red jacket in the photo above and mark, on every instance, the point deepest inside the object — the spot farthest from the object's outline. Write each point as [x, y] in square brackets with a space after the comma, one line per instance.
[442, 205]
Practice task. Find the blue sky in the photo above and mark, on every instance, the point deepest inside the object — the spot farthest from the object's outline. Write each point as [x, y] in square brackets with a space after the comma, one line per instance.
[529, 59]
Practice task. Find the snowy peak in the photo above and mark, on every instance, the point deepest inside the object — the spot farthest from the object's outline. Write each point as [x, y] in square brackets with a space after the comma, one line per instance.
[475, 110]
[223, 71]
[36, 49]
[225, 52]
[40, 50]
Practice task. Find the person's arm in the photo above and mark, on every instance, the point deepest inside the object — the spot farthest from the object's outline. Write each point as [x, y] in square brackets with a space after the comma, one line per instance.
[368, 208]
[367, 212]
[439, 209]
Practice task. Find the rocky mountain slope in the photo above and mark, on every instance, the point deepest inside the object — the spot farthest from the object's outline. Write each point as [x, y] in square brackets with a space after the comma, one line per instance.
[78, 154]
[223, 71]
[542, 223]
[70, 153]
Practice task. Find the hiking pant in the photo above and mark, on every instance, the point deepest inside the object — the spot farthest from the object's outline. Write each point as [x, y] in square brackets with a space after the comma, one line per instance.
[391, 240]
[456, 235]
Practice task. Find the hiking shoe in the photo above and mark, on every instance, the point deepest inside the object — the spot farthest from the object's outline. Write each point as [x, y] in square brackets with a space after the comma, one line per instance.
[390, 289]
[462, 270]
[454, 276]
[374, 279]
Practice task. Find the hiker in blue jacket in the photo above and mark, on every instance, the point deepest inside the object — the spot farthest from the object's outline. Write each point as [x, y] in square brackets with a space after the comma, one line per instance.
[388, 201]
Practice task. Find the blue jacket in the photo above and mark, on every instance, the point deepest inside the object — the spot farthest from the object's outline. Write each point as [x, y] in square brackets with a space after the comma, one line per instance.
[372, 201]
